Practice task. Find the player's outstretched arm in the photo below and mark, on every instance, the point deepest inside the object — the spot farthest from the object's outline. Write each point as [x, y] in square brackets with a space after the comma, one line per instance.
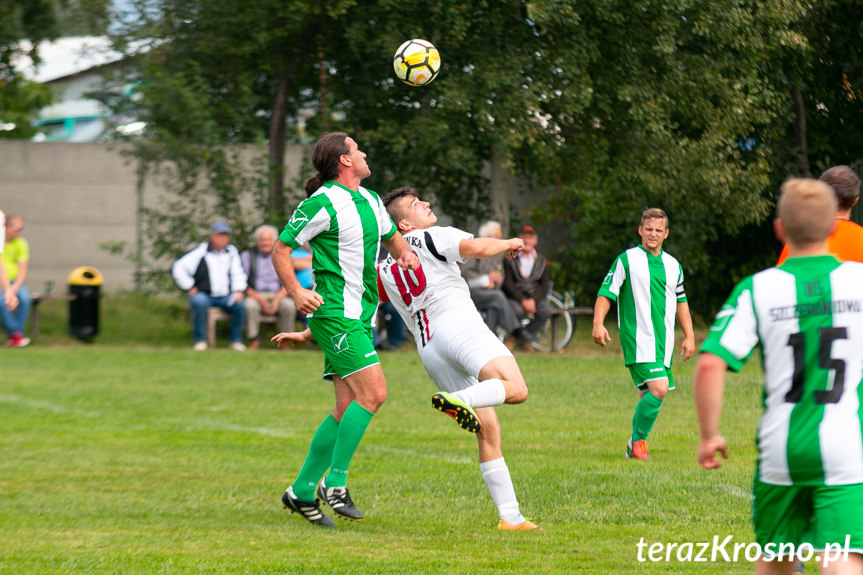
[708, 388]
[490, 247]
[292, 338]
[600, 310]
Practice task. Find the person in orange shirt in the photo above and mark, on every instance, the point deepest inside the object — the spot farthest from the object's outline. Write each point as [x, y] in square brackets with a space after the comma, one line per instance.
[846, 242]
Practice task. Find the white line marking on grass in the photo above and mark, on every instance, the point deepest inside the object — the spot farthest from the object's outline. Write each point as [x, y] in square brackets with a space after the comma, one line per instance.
[38, 404]
[439, 457]
[200, 424]
[220, 426]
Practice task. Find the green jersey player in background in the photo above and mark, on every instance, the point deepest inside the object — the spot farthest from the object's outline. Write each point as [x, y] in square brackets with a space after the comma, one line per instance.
[807, 317]
[344, 224]
[647, 284]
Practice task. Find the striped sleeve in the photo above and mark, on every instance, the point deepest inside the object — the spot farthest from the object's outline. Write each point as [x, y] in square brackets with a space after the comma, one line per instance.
[679, 291]
[614, 279]
[734, 333]
[308, 220]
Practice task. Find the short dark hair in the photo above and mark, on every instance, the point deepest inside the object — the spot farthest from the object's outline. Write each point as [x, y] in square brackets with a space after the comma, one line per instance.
[845, 184]
[391, 197]
[325, 159]
[653, 214]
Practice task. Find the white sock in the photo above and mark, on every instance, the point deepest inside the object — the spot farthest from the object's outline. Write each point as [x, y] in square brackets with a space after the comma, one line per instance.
[499, 483]
[486, 393]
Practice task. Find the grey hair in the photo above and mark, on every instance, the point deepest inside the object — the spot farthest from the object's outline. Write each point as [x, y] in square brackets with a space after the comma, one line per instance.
[486, 229]
[265, 228]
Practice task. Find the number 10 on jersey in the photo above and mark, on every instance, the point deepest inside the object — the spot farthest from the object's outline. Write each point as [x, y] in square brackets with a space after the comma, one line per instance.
[409, 283]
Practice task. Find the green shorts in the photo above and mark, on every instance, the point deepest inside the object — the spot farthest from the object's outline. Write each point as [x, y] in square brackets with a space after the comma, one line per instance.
[348, 345]
[641, 373]
[814, 514]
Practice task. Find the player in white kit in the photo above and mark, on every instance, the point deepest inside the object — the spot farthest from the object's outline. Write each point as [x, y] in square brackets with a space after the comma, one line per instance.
[468, 363]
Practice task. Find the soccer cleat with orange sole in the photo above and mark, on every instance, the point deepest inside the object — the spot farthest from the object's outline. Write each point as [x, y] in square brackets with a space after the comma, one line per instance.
[525, 525]
[637, 450]
[463, 414]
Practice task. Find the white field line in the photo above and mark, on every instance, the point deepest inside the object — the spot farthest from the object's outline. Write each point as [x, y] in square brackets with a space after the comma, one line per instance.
[222, 426]
[438, 456]
[39, 404]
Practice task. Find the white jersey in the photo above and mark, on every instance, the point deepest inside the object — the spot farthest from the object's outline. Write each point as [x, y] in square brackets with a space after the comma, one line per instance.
[435, 294]
[434, 302]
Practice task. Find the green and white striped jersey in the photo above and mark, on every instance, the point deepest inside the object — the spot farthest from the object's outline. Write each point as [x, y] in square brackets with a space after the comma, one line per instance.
[807, 317]
[647, 289]
[344, 228]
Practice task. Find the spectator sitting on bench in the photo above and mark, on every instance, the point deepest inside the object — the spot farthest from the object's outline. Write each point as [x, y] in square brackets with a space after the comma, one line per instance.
[265, 294]
[526, 282]
[16, 257]
[213, 276]
[9, 299]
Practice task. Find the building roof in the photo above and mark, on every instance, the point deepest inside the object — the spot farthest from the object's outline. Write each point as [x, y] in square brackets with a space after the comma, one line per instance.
[68, 56]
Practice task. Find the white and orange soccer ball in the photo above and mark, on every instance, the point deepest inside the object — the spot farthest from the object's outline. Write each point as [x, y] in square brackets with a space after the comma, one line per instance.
[417, 62]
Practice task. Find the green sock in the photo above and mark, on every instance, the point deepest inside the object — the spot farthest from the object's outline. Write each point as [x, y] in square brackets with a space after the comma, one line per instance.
[317, 459]
[351, 430]
[645, 416]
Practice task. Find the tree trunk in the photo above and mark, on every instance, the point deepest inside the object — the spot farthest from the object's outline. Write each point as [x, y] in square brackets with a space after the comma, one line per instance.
[499, 194]
[800, 130]
[141, 182]
[277, 142]
[322, 90]
[284, 88]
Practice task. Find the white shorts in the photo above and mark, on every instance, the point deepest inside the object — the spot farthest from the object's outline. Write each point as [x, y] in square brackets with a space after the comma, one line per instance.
[457, 352]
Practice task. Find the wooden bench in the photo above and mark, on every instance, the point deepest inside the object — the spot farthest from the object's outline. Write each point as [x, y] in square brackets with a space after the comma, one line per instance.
[215, 314]
[37, 299]
[557, 313]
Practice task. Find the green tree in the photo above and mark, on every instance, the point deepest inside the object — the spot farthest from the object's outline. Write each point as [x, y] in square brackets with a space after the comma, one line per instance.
[23, 24]
[604, 108]
[683, 111]
[597, 110]
[212, 76]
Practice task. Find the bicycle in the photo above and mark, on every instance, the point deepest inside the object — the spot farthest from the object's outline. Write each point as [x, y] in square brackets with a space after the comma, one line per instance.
[564, 326]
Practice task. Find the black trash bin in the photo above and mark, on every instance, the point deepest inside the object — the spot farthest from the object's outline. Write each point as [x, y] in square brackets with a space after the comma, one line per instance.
[84, 283]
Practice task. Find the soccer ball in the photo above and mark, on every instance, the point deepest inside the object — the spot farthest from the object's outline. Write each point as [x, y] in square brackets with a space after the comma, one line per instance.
[416, 62]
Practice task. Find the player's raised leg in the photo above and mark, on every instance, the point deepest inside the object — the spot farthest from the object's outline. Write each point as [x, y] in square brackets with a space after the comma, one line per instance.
[500, 381]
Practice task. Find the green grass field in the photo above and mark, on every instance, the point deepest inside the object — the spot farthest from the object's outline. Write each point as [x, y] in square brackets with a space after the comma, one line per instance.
[126, 457]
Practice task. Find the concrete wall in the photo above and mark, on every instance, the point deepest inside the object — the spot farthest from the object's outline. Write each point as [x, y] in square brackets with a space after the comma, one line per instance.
[74, 197]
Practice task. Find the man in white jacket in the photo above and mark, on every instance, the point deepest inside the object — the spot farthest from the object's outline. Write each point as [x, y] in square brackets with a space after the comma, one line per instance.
[212, 274]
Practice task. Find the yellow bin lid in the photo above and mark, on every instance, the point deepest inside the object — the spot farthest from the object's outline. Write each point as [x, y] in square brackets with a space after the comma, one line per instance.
[85, 276]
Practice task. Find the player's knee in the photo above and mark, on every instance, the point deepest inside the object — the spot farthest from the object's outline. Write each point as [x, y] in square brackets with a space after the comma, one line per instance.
[659, 389]
[377, 399]
[516, 392]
